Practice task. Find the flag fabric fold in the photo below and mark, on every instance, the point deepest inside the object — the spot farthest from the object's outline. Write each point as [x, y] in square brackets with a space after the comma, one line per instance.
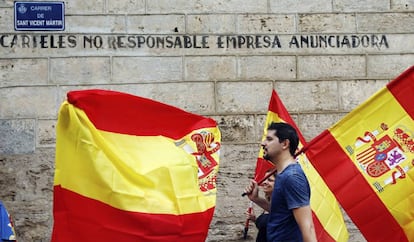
[367, 160]
[327, 216]
[132, 169]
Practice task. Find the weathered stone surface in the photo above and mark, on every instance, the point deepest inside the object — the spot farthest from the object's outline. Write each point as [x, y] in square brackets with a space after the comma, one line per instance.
[84, 8]
[28, 102]
[327, 23]
[402, 5]
[388, 66]
[266, 23]
[201, 24]
[46, 133]
[267, 68]
[209, 6]
[311, 125]
[135, 69]
[361, 5]
[81, 70]
[15, 72]
[206, 68]
[385, 22]
[229, 99]
[354, 93]
[237, 129]
[96, 24]
[310, 95]
[156, 24]
[26, 189]
[17, 136]
[126, 6]
[300, 6]
[326, 67]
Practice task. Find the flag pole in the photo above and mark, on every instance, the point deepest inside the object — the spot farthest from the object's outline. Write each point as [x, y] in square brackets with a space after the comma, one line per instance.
[246, 224]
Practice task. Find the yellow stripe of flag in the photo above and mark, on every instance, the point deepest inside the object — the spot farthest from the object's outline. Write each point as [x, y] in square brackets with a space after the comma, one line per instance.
[132, 169]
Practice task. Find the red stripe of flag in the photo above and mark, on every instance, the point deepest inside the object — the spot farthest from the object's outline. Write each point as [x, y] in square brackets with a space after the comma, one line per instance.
[404, 93]
[84, 218]
[335, 167]
[118, 112]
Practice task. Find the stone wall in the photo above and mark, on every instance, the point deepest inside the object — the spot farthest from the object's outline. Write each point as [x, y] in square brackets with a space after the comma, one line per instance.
[215, 58]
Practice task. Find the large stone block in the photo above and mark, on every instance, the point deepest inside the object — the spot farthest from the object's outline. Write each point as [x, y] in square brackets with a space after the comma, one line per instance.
[388, 66]
[327, 67]
[327, 23]
[308, 96]
[266, 23]
[46, 133]
[6, 20]
[24, 102]
[209, 6]
[126, 6]
[300, 6]
[354, 93]
[156, 24]
[402, 5]
[242, 97]
[211, 23]
[27, 72]
[17, 136]
[210, 68]
[267, 67]
[80, 70]
[237, 128]
[80, 7]
[361, 5]
[146, 69]
[311, 125]
[95, 24]
[385, 22]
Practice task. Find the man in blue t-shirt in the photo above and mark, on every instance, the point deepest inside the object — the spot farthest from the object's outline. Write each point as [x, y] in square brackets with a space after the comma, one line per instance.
[290, 216]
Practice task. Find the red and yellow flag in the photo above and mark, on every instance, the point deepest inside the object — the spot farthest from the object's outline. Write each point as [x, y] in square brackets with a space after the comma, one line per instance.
[132, 169]
[367, 160]
[327, 216]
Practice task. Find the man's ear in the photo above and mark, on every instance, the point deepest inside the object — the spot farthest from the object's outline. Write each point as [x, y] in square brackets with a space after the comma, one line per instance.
[285, 144]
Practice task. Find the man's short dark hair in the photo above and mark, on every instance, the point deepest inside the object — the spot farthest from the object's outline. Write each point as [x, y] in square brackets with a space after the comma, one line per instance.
[284, 131]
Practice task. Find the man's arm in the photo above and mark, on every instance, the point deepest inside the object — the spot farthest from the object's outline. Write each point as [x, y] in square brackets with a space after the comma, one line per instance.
[303, 216]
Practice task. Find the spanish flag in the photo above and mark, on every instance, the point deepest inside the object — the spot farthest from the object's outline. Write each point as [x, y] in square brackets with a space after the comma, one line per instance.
[367, 160]
[327, 216]
[132, 169]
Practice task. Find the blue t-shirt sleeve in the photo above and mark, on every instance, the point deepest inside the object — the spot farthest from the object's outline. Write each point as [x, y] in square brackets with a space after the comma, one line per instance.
[297, 191]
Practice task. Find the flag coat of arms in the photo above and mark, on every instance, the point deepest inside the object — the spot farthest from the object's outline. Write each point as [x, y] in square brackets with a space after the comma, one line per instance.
[132, 169]
[327, 216]
[367, 161]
